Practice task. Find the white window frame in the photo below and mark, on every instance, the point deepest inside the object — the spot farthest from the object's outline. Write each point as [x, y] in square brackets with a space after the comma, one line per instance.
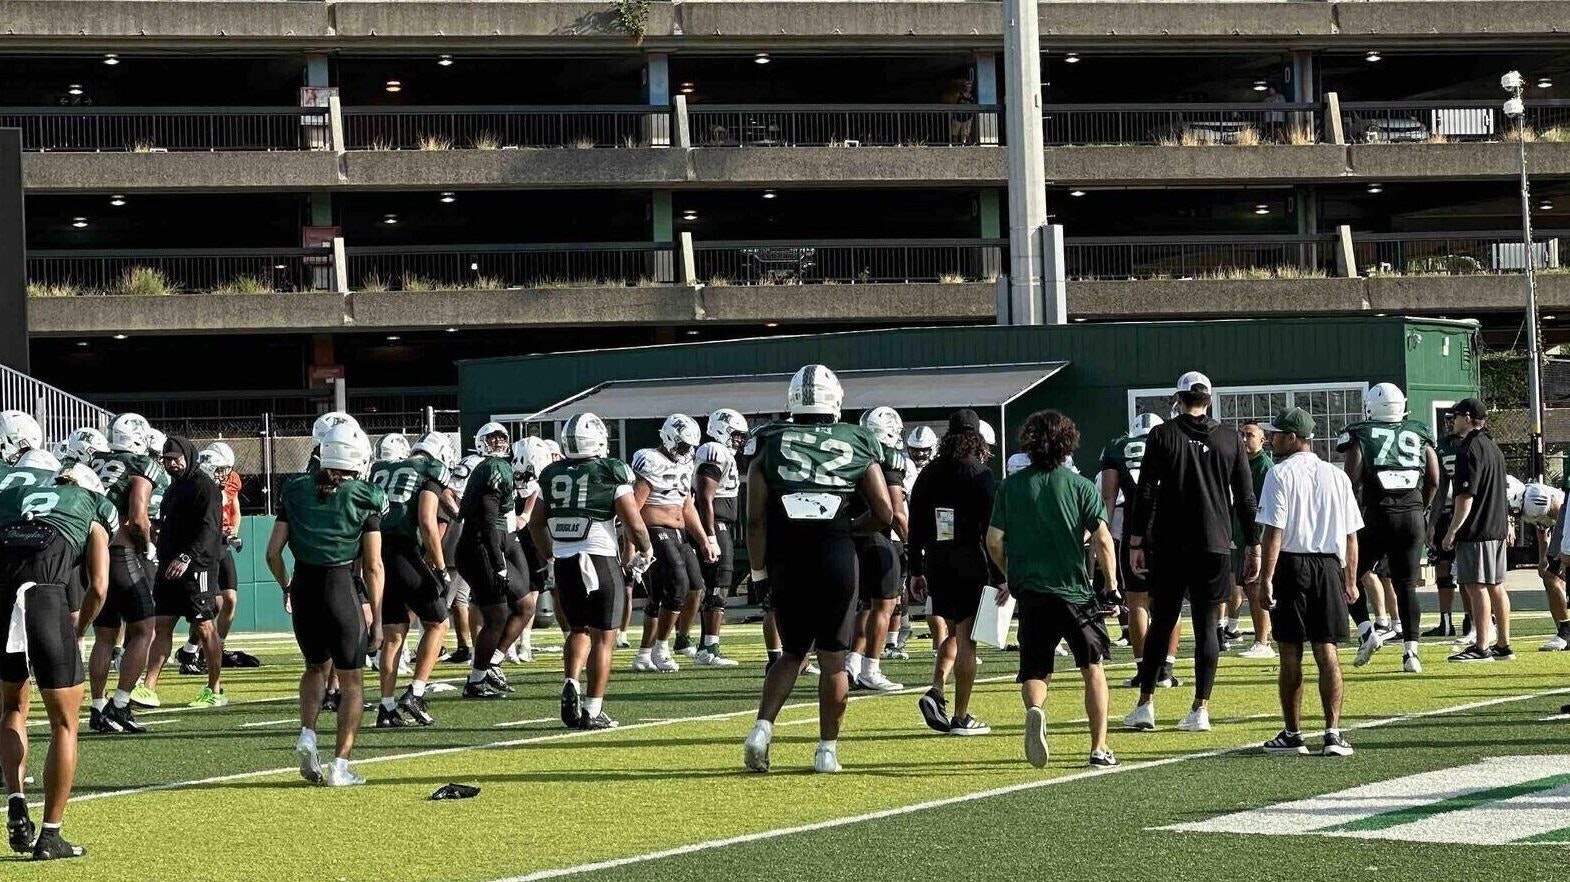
[1259, 389]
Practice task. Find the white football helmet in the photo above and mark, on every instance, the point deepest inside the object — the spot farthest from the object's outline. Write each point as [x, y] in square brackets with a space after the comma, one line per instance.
[922, 438]
[885, 424]
[1385, 403]
[988, 435]
[221, 456]
[327, 421]
[346, 449]
[679, 434]
[1515, 492]
[207, 461]
[1142, 423]
[435, 445]
[530, 456]
[725, 424]
[83, 445]
[556, 454]
[128, 434]
[156, 441]
[392, 446]
[19, 433]
[815, 390]
[585, 437]
[488, 444]
[1016, 463]
[59, 450]
[82, 475]
[1536, 500]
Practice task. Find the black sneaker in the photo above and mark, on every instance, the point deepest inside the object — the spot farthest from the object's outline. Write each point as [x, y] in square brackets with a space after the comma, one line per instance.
[121, 719]
[415, 707]
[1231, 634]
[935, 711]
[1441, 630]
[1466, 625]
[1103, 759]
[19, 827]
[330, 700]
[572, 715]
[52, 847]
[482, 689]
[1565, 709]
[1335, 745]
[184, 656]
[1166, 679]
[195, 668]
[95, 723]
[1286, 744]
[460, 656]
[1502, 653]
[1473, 654]
[601, 720]
[968, 725]
[497, 679]
[389, 718]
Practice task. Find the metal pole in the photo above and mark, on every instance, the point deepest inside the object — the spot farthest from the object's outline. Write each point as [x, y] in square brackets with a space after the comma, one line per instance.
[430, 418]
[267, 461]
[340, 395]
[1534, 344]
[1026, 166]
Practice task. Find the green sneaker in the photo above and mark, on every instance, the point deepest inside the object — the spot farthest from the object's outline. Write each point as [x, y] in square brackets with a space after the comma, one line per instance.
[141, 696]
[209, 698]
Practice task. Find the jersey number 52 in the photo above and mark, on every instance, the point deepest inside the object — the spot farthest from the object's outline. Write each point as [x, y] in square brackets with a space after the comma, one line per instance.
[814, 460]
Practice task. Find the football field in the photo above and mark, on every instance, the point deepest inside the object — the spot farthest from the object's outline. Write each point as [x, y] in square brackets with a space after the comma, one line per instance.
[1459, 768]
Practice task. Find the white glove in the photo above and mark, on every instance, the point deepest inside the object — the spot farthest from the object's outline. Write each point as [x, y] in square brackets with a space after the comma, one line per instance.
[641, 561]
[151, 554]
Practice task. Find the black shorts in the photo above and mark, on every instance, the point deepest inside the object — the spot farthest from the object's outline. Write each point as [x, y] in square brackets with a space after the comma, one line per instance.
[955, 577]
[540, 571]
[53, 659]
[814, 594]
[1441, 527]
[483, 589]
[190, 597]
[1044, 619]
[518, 559]
[410, 585]
[675, 571]
[361, 591]
[720, 576]
[1130, 582]
[591, 591]
[1200, 576]
[878, 569]
[130, 597]
[328, 622]
[1310, 605]
[1394, 537]
[222, 573]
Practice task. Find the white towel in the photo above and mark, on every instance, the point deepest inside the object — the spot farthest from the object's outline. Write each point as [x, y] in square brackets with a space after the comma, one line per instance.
[591, 576]
[16, 629]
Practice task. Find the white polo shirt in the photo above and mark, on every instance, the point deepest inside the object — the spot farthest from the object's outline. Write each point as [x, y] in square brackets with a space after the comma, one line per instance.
[1311, 502]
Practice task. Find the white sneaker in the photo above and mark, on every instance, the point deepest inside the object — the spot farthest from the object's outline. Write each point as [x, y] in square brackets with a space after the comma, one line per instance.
[310, 763]
[665, 664]
[689, 651]
[1196, 721]
[512, 656]
[1061, 651]
[1142, 717]
[340, 775]
[827, 759]
[643, 665]
[1036, 752]
[1410, 664]
[621, 643]
[877, 682]
[1554, 644]
[812, 669]
[405, 669]
[1367, 648]
[1258, 650]
[708, 659]
[374, 662]
[755, 750]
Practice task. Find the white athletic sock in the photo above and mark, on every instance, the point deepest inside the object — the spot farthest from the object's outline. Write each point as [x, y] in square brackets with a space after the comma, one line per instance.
[1383, 623]
[871, 666]
[98, 703]
[497, 657]
[1411, 647]
[476, 675]
[645, 654]
[592, 706]
[664, 646]
[193, 647]
[121, 698]
[389, 703]
[1231, 623]
[853, 663]
[1171, 659]
[1363, 628]
[417, 688]
[527, 641]
[711, 640]
[829, 745]
[51, 827]
[765, 725]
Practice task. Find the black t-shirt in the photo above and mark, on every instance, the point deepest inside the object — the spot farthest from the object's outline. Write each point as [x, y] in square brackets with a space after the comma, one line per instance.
[1480, 471]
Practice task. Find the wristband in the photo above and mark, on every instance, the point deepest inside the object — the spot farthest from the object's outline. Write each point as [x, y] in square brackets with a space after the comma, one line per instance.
[760, 575]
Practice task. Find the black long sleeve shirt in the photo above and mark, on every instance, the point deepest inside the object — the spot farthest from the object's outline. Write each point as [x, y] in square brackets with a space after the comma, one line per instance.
[967, 487]
[1195, 477]
[192, 515]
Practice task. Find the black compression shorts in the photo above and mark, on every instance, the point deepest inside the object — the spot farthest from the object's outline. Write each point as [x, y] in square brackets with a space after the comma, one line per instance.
[878, 569]
[591, 591]
[328, 621]
[483, 587]
[1204, 577]
[720, 576]
[52, 653]
[130, 597]
[675, 571]
[410, 585]
[814, 593]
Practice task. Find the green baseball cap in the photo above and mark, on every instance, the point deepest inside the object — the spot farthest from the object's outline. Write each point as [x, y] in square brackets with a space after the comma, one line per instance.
[1295, 420]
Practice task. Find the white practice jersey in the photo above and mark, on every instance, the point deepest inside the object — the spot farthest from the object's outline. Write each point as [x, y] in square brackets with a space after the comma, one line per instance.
[718, 460]
[458, 478]
[912, 472]
[669, 480]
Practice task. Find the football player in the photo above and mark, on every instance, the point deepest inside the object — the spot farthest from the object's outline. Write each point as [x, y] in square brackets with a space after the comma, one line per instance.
[415, 573]
[393, 447]
[664, 496]
[1439, 514]
[1120, 464]
[1393, 465]
[83, 445]
[574, 522]
[48, 531]
[799, 484]
[920, 445]
[320, 428]
[217, 460]
[878, 558]
[329, 519]
[530, 457]
[716, 486]
[497, 584]
[129, 477]
[1543, 512]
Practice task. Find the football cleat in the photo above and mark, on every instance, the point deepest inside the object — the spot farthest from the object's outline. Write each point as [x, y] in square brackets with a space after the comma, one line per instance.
[1440, 630]
[684, 646]
[497, 679]
[601, 720]
[51, 846]
[1369, 645]
[209, 698]
[96, 723]
[1554, 644]
[482, 689]
[120, 719]
[755, 750]
[310, 763]
[19, 827]
[460, 656]
[1410, 663]
[877, 682]
[114, 659]
[389, 718]
[711, 657]
[416, 707]
[141, 696]
[643, 665]
[340, 775]
[572, 714]
[665, 664]
[894, 652]
[826, 760]
[330, 699]
[185, 656]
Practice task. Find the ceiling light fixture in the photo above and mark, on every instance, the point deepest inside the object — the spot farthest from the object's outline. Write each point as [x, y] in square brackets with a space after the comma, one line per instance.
[761, 58]
[692, 333]
[1376, 188]
[117, 201]
[393, 338]
[1372, 56]
[394, 86]
[771, 324]
[389, 218]
[769, 194]
[1550, 317]
[121, 336]
[1545, 205]
[1071, 58]
[1260, 86]
[111, 59]
[444, 60]
[689, 215]
[1076, 193]
[79, 222]
[452, 330]
[448, 197]
[1544, 83]
[74, 89]
[1261, 208]
[81, 342]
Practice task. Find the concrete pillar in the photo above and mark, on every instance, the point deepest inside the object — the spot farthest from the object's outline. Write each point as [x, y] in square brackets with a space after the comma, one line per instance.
[986, 92]
[1026, 166]
[657, 93]
[989, 205]
[662, 267]
[1303, 88]
[1307, 199]
[316, 71]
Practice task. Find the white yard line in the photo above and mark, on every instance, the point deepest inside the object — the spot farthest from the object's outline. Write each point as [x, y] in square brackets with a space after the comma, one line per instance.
[278, 722]
[524, 722]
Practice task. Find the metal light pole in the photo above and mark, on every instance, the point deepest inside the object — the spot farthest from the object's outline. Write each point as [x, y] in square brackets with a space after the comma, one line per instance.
[1515, 108]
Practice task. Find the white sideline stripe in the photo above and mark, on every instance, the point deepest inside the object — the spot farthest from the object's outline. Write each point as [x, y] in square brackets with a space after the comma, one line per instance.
[972, 797]
[84, 720]
[1383, 797]
[522, 722]
[1513, 819]
[1554, 717]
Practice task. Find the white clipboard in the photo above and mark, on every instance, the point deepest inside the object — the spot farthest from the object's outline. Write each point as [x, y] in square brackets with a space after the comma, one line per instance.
[992, 622]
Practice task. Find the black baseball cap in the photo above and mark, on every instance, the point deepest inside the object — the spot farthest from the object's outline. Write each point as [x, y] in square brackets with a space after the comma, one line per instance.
[1469, 407]
[964, 420]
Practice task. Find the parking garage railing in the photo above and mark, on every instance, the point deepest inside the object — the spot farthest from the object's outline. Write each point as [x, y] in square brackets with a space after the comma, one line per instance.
[848, 262]
[497, 267]
[1442, 121]
[160, 272]
[1180, 125]
[168, 129]
[505, 127]
[1199, 257]
[846, 125]
[1459, 253]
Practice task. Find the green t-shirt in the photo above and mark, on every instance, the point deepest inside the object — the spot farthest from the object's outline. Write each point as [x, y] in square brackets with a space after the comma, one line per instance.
[804, 462]
[1258, 466]
[1395, 459]
[71, 510]
[1044, 516]
[403, 480]
[326, 531]
[116, 470]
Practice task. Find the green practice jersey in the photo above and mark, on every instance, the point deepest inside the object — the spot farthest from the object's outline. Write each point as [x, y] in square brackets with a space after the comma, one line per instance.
[580, 498]
[117, 469]
[1125, 456]
[894, 464]
[812, 469]
[70, 509]
[403, 480]
[24, 476]
[1394, 461]
[492, 474]
[1448, 448]
[325, 530]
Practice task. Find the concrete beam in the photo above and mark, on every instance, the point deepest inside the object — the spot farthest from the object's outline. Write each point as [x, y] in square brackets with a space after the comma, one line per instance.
[835, 303]
[865, 166]
[86, 19]
[162, 172]
[1456, 295]
[566, 18]
[1380, 162]
[1145, 164]
[185, 313]
[610, 167]
[1434, 18]
[1192, 18]
[1214, 297]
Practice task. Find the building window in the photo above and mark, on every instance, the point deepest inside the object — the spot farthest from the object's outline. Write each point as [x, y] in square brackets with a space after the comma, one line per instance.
[1332, 405]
